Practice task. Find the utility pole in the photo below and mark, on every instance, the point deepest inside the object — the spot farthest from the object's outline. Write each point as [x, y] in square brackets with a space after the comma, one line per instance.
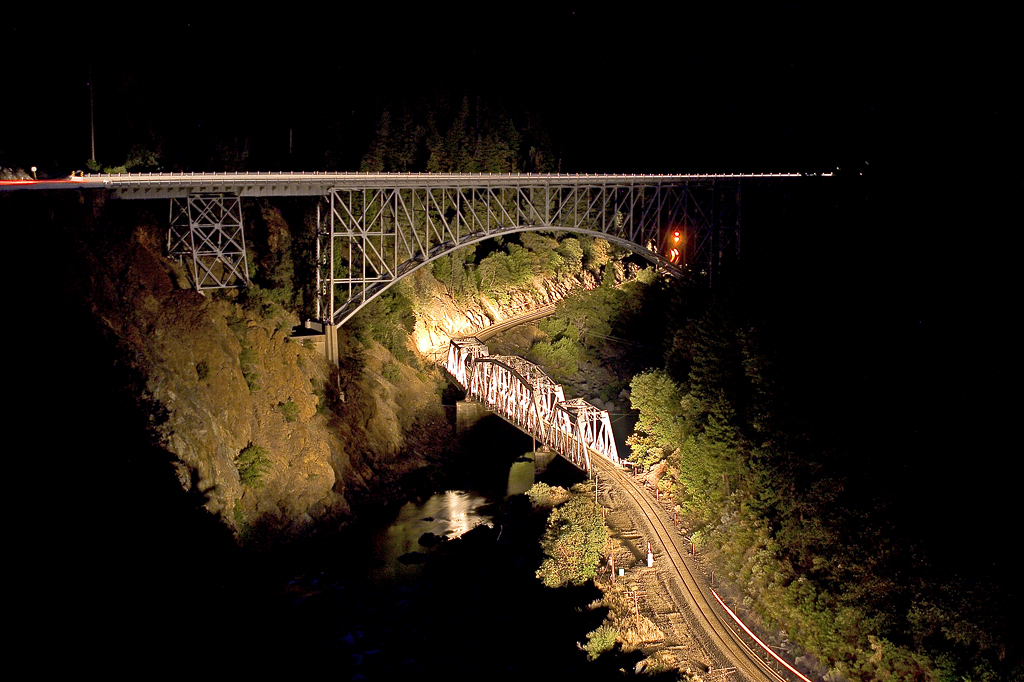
[92, 118]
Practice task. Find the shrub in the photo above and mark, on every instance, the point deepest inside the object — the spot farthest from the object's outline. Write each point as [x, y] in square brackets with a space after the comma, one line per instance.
[600, 641]
[247, 360]
[202, 370]
[392, 373]
[544, 496]
[290, 411]
[252, 463]
[575, 536]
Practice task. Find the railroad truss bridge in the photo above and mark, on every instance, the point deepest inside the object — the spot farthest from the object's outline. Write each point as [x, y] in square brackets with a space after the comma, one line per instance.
[526, 397]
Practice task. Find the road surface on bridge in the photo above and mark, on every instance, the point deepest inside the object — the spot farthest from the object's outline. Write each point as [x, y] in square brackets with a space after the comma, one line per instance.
[685, 584]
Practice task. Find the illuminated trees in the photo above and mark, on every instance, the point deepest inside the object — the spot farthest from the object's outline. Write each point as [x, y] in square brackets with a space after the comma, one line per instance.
[575, 536]
[662, 426]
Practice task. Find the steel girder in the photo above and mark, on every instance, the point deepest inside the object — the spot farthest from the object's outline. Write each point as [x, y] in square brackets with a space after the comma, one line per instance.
[372, 236]
[527, 397]
[594, 427]
[207, 229]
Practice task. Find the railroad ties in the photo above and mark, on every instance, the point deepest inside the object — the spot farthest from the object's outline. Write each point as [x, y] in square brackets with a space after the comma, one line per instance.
[524, 395]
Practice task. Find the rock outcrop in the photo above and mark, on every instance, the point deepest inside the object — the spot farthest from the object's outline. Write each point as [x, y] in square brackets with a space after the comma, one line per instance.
[229, 378]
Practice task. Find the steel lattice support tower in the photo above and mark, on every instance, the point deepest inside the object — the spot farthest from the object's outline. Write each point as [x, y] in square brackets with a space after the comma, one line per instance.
[207, 229]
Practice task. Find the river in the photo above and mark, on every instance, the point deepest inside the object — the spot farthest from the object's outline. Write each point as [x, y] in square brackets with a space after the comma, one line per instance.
[381, 605]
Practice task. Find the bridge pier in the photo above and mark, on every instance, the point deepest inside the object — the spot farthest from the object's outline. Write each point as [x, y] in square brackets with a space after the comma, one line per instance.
[468, 413]
[331, 343]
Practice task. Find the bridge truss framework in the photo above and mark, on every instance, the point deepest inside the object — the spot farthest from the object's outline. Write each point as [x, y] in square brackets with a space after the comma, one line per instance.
[375, 228]
[372, 236]
[207, 230]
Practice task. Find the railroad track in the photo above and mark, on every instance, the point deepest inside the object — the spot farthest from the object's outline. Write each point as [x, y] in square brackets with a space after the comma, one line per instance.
[522, 318]
[693, 595]
[697, 600]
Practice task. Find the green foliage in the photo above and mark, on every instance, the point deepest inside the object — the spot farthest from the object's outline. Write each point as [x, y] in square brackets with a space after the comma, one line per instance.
[247, 359]
[140, 159]
[600, 640]
[290, 411]
[662, 426]
[501, 272]
[320, 391]
[455, 272]
[463, 134]
[392, 372]
[572, 254]
[560, 359]
[252, 462]
[647, 275]
[252, 381]
[237, 325]
[549, 263]
[389, 319]
[395, 147]
[768, 511]
[573, 541]
[596, 253]
[275, 269]
[544, 496]
[588, 315]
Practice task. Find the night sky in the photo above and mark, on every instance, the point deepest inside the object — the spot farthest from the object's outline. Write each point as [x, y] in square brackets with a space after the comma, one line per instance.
[680, 89]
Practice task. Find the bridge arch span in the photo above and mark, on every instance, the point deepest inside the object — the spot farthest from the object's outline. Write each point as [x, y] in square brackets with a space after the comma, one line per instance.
[365, 292]
[370, 237]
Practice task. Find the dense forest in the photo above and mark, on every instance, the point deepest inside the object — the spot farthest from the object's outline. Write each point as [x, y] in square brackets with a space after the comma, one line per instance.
[780, 507]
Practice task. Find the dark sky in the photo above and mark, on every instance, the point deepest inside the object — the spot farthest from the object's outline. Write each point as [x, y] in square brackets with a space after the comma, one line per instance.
[680, 89]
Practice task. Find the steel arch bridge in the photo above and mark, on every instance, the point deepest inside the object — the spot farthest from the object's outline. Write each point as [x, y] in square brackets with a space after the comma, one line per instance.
[372, 234]
[525, 396]
[376, 228]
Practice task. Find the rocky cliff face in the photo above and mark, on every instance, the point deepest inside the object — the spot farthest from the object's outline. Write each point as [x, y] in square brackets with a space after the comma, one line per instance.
[228, 378]
[440, 317]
